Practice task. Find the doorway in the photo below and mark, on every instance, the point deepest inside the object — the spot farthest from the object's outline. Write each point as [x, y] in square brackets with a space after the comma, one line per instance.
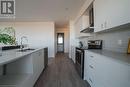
[60, 42]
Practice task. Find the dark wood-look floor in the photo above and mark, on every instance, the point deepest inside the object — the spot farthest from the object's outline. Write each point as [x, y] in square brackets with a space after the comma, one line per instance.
[60, 73]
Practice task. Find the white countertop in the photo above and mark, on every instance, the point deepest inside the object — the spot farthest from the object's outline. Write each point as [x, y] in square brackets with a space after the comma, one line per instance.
[12, 55]
[120, 57]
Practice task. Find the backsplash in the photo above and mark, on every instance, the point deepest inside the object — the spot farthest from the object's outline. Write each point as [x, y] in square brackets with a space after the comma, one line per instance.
[116, 40]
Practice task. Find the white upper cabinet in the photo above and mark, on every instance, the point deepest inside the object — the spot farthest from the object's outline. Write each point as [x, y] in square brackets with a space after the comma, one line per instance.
[80, 24]
[110, 13]
[85, 22]
[77, 27]
[119, 12]
[99, 15]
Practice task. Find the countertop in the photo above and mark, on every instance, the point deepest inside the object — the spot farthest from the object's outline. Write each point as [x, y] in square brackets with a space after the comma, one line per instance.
[12, 55]
[120, 57]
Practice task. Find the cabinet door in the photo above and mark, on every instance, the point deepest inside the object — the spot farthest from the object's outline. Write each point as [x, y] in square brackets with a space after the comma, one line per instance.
[85, 66]
[78, 27]
[38, 63]
[117, 12]
[100, 71]
[99, 15]
[41, 60]
[95, 65]
[85, 22]
[35, 57]
[108, 72]
[89, 68]
[117, 74]
[80, 24]
[91, 77]
[110, 13]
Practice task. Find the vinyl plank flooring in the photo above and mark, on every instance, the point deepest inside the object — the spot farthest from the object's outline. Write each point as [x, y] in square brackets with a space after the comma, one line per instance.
[60, 73]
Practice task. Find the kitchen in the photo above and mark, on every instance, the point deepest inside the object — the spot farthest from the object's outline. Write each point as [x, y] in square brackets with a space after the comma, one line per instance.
[107, 30]
[101, 26]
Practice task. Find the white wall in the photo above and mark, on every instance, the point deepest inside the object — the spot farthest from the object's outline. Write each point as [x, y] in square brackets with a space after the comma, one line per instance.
[66, 38]
[40, 34]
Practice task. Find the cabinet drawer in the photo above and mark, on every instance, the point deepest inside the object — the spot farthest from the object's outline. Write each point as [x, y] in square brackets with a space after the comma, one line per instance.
[91, 60]
[90, 78]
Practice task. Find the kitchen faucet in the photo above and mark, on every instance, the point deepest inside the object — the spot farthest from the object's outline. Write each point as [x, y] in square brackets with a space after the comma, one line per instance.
[22, 45]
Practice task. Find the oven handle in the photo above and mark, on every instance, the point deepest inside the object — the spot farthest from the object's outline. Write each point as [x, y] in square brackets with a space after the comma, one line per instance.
[79, 51]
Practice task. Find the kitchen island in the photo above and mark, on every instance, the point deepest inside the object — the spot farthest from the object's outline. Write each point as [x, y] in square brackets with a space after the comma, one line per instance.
[22, 67]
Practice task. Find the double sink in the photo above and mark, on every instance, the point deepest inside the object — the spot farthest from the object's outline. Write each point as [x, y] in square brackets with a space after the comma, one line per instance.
[17, 47]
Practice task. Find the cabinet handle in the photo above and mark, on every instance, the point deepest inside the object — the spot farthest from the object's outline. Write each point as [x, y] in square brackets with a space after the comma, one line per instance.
[39, 53]
[91, 66]
[90, 80]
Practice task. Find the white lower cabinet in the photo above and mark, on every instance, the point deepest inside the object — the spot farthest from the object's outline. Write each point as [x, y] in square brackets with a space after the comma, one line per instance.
[38, 63]
[117, 74]
[101, 71]
[91, 77]
[93, 70]
[89, 70]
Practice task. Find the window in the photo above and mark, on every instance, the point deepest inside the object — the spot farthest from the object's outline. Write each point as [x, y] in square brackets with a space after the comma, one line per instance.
[60, 39]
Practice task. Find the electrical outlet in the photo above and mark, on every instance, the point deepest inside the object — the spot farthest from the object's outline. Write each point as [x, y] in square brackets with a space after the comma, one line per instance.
[119, 42]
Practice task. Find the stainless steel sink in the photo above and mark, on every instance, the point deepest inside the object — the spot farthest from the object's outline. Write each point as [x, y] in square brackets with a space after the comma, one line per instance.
[25, 50]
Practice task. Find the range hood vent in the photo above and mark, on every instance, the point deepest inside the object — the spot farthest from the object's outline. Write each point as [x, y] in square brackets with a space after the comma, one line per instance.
[88, 30]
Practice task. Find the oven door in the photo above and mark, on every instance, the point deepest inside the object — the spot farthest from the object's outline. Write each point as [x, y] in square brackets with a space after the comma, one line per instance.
[80, 62]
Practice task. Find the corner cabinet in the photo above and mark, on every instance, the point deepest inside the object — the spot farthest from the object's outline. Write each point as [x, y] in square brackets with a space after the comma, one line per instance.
[110, 13]
[81, 24]
[101, 71]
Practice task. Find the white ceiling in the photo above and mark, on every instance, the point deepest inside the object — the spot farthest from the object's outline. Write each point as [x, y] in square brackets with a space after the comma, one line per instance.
[60, 11]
